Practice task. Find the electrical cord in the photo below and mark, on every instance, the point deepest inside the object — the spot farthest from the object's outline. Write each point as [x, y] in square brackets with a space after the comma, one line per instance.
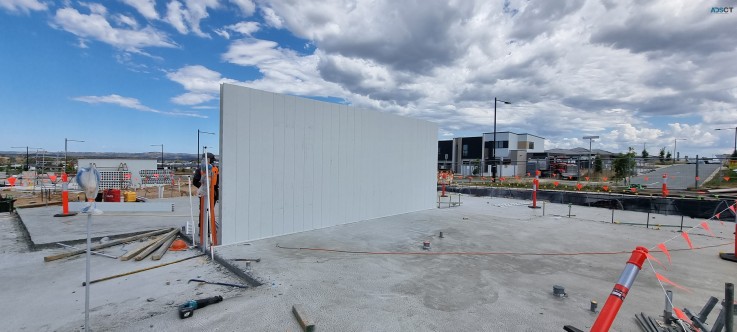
[485, 253]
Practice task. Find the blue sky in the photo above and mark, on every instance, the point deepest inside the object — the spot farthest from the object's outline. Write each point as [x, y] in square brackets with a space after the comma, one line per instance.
[124, 74]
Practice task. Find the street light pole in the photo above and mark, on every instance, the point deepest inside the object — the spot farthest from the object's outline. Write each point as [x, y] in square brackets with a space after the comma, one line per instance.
[675, 144]
[493, 146]
[590, 138]
[66, 142]
[162, 153]
[198, 141]
[27, 155]
[734, 152]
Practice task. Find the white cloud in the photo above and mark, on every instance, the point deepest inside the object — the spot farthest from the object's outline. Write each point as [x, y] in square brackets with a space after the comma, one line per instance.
[198, 79]
[175, 15]
[95, 8]
[186, 17]
[581, 66]
[192, 98]
[22, 6]
[243, 28]
[126, 21]
[247, 7]
[131, 103]
[271, 18]
[222, 33]
[147, 8]
[95, 26]
[283, 70]
[201, 83]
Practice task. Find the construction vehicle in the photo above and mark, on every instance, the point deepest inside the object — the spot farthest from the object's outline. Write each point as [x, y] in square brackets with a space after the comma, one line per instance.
[554, 167]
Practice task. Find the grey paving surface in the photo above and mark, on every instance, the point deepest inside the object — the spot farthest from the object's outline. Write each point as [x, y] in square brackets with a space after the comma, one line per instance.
[680, 176]
[415, 290]
[45, 229]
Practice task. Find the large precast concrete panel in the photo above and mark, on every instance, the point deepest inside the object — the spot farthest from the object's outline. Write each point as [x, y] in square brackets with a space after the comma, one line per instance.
[291, 164]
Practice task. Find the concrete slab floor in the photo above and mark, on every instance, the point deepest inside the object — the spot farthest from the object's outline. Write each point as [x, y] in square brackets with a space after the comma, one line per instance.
[39, 296]
[426, 291]
[45, 229]
[390, 292]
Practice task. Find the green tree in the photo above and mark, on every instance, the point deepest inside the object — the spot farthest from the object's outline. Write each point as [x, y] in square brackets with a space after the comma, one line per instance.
[734, 155]
[661, 155]
[598, 164]
[624, 164]
[668, 156]
[645, 154]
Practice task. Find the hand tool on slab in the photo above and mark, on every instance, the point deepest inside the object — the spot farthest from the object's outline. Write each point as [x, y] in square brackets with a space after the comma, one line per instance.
[187, 310]
[217, 283]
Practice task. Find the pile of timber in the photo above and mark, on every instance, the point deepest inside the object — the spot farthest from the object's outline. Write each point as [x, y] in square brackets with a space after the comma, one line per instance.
[157, 245]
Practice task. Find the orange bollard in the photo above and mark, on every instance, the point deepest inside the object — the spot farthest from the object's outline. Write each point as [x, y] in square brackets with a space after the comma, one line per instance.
[665, 185]
[444, 179]
[535, 185]
[621, 288]
[65, 198]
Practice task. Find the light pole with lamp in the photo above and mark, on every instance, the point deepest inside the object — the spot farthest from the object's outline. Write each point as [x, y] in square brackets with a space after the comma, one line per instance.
[675, 144]
[590, 138]
[493, 146]
[734, 152]
[162, 153]
[66, 142]
[198, 142]
[27, 157]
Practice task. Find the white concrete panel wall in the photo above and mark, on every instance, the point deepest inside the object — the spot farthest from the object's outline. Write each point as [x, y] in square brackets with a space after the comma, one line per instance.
[291, 164]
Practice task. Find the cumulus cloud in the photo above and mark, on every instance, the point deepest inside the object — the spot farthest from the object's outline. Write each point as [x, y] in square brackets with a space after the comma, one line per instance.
[22, 6]
[202, 84]
[131, 103]
[571, 68]
[283, 70]
[96, 26]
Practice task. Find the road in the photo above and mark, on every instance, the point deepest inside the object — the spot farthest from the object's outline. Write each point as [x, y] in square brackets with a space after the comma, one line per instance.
[680, 176]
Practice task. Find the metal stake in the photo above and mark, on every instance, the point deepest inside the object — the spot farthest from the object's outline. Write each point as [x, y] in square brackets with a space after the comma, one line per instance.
[87, 276]
[729, 307]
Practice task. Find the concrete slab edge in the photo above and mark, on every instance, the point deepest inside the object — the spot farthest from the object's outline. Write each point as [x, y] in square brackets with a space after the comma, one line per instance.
[253, 282]
[247, 278]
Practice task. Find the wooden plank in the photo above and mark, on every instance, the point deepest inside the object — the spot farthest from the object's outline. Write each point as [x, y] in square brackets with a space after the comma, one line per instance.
[306, 324]
[156, 245]
[141, 270]
[135, 251]
[162, 250]
[105, 245]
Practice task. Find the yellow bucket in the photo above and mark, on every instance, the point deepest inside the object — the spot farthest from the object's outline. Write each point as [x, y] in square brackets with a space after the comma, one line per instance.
[129, 196]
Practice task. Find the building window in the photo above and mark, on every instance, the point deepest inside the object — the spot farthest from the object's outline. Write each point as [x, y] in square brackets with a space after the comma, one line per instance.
[465, 150]
[531, 145]
[502, 144]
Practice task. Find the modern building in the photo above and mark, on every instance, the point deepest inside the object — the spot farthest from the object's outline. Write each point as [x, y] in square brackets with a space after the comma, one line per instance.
[471, 155]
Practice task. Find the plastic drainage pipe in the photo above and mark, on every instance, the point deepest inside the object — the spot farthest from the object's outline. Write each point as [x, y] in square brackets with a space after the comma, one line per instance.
[621, 288]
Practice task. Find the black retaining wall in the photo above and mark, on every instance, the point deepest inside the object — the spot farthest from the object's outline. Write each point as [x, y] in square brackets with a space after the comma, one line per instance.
[694, 208]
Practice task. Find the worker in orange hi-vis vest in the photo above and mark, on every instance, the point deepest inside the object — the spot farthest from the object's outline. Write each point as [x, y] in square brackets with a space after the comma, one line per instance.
[200, 181]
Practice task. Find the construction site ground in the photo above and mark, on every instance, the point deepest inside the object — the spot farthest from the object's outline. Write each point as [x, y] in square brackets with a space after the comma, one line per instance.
[493, 270]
